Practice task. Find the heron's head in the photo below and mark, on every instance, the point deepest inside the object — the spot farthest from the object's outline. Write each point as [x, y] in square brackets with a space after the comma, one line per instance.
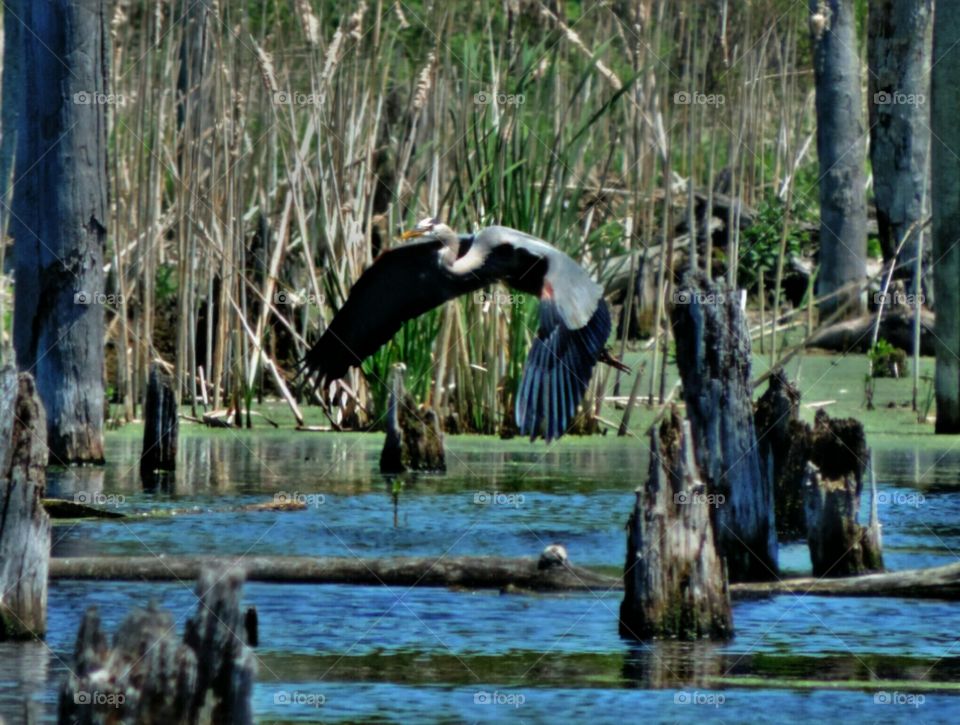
[432, 229]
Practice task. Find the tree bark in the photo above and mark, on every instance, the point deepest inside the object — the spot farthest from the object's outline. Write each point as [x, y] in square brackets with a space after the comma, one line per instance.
[713, 355]
[24, 524]
[149, 676]
[675, 585]
[840, 148]
[160, 426]
[12, 100]
[60, 219]
[945, 198]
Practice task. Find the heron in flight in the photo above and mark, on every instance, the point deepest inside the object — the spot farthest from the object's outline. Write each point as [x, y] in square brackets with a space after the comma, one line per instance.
[413, 278]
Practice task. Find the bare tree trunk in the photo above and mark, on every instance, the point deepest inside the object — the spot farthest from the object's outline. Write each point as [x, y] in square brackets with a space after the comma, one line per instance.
[898, 55]
[24, 524]
[60, 220]
[840, 148]
[945, 198]
[713, 355]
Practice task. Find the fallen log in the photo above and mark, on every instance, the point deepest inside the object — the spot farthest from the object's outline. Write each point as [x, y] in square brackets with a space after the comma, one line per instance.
[461, 571]
[941, 582]
[896, 327]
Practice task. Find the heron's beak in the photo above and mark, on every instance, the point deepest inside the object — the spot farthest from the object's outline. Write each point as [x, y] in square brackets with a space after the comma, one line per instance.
[412, 233]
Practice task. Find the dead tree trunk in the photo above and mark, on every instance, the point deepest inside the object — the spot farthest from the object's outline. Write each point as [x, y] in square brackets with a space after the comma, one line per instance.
[776, 417]
[840, 149]
[24, 525]
[150, 676]
[713, 355]
[60, 219]
[414, 439]
[160, 426]
[674, 582]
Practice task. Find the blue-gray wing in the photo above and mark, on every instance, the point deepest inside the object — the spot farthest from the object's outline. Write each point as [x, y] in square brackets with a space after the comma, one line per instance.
[558, 370]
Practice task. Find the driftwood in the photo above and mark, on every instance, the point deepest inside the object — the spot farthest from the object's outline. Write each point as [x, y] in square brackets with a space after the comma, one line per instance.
[896, 327]
[713, 355]
[414, 439]
[150, 676]
[24, 525]
[479, 572]
[941, 582]
[776, 417]
[674, 582]
[160, 426]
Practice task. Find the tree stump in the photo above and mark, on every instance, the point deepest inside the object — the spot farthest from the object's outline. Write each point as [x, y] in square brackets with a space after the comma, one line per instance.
[777, 416]
[24, 524]
[833, 483]
[713, 355]
[150, 676]
[160, 425]
[674, 582]
[414, 438]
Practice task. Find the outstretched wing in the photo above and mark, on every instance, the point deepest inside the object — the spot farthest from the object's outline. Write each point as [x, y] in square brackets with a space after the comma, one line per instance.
[401, 284]
[558, 370]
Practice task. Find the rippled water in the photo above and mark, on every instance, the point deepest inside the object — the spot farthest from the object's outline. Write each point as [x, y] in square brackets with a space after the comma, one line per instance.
[416, 654]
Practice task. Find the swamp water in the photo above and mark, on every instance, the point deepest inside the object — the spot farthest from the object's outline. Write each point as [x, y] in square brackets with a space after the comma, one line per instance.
[346, 653]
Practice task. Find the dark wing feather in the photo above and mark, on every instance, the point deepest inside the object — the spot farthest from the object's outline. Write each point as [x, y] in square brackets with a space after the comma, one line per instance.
[401, 284]
[558, 370]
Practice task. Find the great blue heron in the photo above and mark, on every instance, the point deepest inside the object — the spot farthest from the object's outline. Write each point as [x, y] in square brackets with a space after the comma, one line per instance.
[411, 279]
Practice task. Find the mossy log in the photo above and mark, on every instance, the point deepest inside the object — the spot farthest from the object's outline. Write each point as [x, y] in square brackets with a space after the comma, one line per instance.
[674, 582]
[149, 675]
[24, 524]
[713, 356]
[414, 439]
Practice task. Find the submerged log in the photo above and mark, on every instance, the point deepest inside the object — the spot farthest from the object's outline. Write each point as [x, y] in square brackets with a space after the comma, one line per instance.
[477, 572]
[24, 524]
[160, 425]
[148, 675]
[776, 418]
[713, 355]
[674, 582]
[414, 439]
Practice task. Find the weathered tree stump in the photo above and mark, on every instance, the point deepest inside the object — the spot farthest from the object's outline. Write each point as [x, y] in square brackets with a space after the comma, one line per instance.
[24, 524]
[674, 582]
[833, 483]
[160, 425]
[776, 418]
[150, 676]
[713, 355]
[414, 439]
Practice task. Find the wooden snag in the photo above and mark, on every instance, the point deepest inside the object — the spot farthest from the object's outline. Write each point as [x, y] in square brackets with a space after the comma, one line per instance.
[24, 524]
[675, 585]
[160, 425]
[148, 675]
[713, 355]
[414, 437]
